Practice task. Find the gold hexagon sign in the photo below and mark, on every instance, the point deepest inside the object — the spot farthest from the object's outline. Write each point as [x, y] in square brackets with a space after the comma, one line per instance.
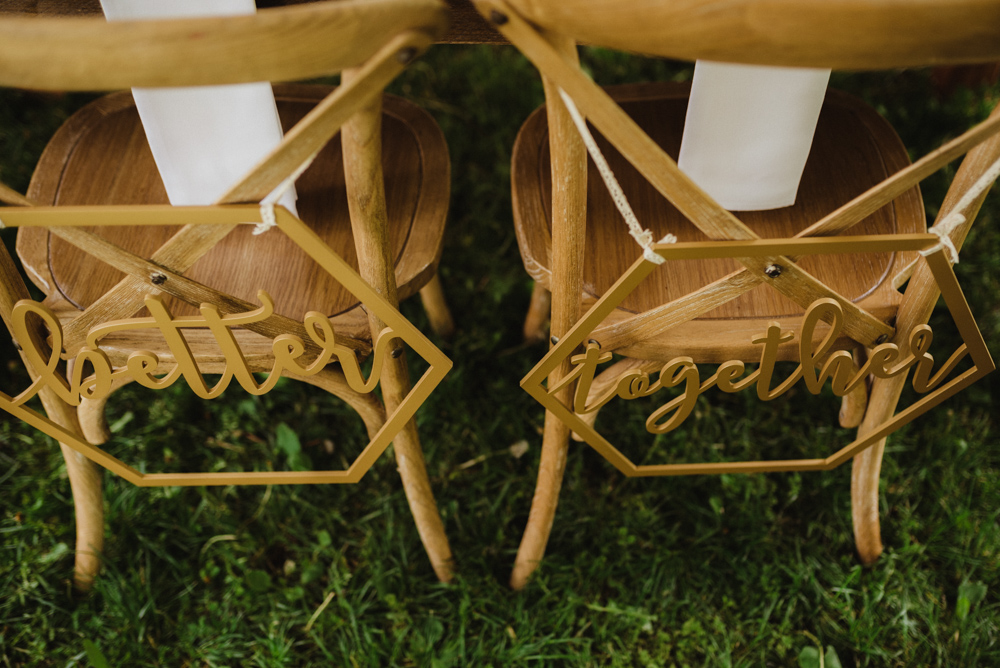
[817, 364]
[314, 337]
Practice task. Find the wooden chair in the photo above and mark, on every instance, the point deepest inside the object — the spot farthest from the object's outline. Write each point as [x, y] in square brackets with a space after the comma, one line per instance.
[385, 218]
[858, 180]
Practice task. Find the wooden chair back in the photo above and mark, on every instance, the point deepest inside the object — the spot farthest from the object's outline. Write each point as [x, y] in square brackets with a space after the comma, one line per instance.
[378, 37]
[547, 32]
[844, 34]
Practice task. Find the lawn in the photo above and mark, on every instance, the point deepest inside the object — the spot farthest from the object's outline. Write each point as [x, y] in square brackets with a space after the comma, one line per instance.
[742, 570]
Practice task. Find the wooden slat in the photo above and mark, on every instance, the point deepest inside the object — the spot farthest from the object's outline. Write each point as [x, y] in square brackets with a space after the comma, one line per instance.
[465, 25]
[273, 45]
[842, 34]
[10, 196]
[192, 292]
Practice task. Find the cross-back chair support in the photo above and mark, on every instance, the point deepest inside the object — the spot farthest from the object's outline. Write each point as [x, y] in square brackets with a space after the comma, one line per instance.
[780, 40]
[375, 40]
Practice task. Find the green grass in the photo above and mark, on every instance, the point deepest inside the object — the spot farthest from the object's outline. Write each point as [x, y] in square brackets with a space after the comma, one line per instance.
[729, 570]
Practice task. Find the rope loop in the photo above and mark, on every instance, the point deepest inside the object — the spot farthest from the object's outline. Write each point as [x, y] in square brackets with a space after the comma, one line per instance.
[642, 237]
[956, 217]
[267, 217]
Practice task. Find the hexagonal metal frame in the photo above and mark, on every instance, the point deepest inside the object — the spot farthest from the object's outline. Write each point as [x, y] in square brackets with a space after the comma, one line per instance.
[318, 250]
[940, 267]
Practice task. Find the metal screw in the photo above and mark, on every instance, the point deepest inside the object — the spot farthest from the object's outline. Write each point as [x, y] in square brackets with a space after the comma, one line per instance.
[396, 352]
[406, 55]
[773, 270]
[595, 342]
[881, 339]
[554, 339]
[498, 18]
[158, 278]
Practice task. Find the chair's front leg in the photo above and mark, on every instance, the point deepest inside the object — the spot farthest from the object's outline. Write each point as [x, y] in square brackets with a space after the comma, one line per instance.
[867, 467]
[88, 500]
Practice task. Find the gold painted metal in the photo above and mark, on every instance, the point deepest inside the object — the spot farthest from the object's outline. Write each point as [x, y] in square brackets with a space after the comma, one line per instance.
[292, 355]
[817, 363]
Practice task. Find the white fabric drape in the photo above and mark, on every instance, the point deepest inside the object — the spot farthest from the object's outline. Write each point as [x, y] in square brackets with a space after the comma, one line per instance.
[748, 132]
[203, 138]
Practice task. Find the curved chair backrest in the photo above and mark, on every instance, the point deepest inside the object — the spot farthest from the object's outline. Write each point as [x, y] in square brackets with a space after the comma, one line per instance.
[279, 44]
[839, 34]
[377, 37]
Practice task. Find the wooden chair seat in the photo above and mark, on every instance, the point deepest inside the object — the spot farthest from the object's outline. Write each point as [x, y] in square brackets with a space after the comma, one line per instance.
[74, 170]
[854, 148]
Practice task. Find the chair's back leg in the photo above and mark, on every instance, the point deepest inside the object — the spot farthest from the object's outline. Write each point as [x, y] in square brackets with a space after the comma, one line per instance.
[921, 295]
[432, 297]
[538, 314]
[362, 143]
[569, 217]
[84, 475]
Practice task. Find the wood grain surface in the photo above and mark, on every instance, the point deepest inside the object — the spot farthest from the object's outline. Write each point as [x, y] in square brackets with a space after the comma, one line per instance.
[844, 34]
[75, 170]
[837, 171]
[465, 25]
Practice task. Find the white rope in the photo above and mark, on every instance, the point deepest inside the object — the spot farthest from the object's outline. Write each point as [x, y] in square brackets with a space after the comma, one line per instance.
[956, 217]
[267, 219]
[643, 237]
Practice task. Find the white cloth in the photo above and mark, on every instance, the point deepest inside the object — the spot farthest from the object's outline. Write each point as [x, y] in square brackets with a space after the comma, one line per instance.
[204, 138]
[748, 132]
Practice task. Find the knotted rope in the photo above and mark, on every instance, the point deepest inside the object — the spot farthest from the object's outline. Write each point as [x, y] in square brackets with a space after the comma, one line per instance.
[956, 217]
[267, 219]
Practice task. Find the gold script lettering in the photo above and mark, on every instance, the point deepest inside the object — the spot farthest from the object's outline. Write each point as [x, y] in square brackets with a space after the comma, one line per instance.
[817, 364]
[142, 366]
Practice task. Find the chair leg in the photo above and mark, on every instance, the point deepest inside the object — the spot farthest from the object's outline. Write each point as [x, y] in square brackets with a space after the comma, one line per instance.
[409, 457]
[432, 297]
[395, 384]
[864, 502]
[555, 447]
[569, 215]
[361, 139]
[88, 501]
[538, 314]
[867, 466]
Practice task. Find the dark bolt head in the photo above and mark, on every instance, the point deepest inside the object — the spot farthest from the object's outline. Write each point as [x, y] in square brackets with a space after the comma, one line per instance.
[554, 339]
[406, 55]
[881, 339]
[158, 279]
[498, 18]
[396, 352]
[773, 270]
